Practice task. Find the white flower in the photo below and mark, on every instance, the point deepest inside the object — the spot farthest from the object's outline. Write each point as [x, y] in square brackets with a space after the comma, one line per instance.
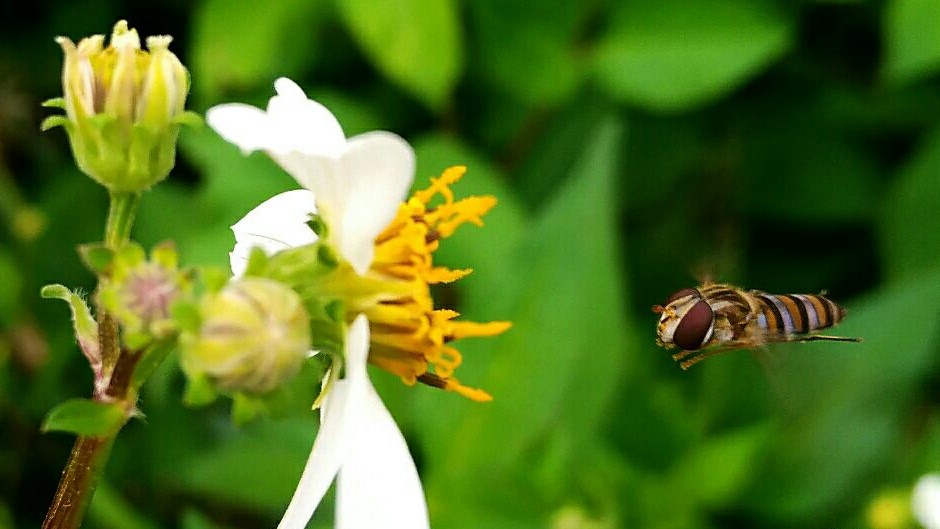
[925, 501]
[356, 185]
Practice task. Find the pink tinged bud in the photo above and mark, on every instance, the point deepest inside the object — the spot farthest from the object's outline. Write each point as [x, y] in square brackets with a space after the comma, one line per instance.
[149, 291]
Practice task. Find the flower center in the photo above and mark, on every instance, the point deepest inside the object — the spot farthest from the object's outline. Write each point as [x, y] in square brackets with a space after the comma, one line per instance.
[411, 338]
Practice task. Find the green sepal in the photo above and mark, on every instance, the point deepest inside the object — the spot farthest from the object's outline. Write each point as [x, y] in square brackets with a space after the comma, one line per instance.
[199, 391]
[214, 279]
[318, 226]
[327, 256]
[54, 102]
[257, 262]
[85, 417]
[336, 311]
[188, 118]
[245, 408]
[137, 341]
[152, 357]
[131, 254]
[186, 315]
[165, 254]
[97, 257]
[52, 122]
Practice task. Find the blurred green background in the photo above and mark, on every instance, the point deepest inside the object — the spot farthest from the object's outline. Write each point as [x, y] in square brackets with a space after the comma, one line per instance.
[635, 146]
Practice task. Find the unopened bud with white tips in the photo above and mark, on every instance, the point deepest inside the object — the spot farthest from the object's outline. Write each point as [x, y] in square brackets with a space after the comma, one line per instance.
[254, 334]
[123, 107]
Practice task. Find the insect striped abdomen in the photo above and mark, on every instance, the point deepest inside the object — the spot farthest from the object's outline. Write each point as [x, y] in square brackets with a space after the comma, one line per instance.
[798, 313]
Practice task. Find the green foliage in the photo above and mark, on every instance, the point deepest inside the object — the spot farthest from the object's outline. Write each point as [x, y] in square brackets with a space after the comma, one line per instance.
[912, 40]
[416, 43]
[632, 146]
[84, 417]
[677, 54]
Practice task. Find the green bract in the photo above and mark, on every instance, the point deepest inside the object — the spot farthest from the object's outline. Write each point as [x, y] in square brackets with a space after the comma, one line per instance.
[123, 107]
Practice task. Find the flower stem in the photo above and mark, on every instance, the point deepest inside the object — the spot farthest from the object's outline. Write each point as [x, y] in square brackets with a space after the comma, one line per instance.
[90, 454]
[123, 208]
[78, 482]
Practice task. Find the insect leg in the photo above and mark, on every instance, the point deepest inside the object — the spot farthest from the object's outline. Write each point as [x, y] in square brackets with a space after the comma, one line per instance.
[731, 346]
[682, 354]
[823, 338]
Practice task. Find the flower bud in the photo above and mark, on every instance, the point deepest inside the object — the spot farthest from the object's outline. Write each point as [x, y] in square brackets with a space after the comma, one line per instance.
[123, 107]
[141, 292]
[254, 335]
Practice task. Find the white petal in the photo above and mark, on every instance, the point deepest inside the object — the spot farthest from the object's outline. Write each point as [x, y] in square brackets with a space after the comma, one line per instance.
[378, 168]
[378, 486]
[246, 126]
[925, 501]
[276, 224]
[304, 125]
[331, 448]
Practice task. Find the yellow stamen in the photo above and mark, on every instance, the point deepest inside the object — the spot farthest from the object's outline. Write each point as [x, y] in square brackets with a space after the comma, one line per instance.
[409, 337]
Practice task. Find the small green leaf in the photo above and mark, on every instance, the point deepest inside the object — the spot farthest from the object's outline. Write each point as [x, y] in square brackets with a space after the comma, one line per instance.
[85, 417]
[84, 325]
[675, 54]
[416, 43]
[97, 257]
[912, 39]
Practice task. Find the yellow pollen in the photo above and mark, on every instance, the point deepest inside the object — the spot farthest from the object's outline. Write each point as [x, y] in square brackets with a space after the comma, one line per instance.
[409, 337]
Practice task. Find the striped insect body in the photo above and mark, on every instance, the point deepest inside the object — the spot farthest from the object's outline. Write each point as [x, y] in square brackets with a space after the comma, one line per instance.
[715, 318]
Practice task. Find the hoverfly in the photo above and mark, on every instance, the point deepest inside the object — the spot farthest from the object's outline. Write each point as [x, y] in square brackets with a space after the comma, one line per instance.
[715, 318]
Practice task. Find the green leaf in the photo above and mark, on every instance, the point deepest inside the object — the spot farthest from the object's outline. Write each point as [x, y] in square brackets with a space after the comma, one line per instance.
[910, 227]
[487, 250]
[912, 40]
[193, 519]
[559, 364]
[238, 44]
[713, 473]
[676, 54]
[848, 404]
[111, 510]
[85, 417]
[257, 468]
[542, 46]
[10, 287]
[416, 43]
[832, 180]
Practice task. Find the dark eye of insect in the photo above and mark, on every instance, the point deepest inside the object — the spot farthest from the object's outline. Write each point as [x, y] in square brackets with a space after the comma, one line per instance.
[694, 326]
[682, 293]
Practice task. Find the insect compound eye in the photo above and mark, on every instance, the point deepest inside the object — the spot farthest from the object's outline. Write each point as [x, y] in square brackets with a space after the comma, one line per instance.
[681, 294]
[694, 327]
